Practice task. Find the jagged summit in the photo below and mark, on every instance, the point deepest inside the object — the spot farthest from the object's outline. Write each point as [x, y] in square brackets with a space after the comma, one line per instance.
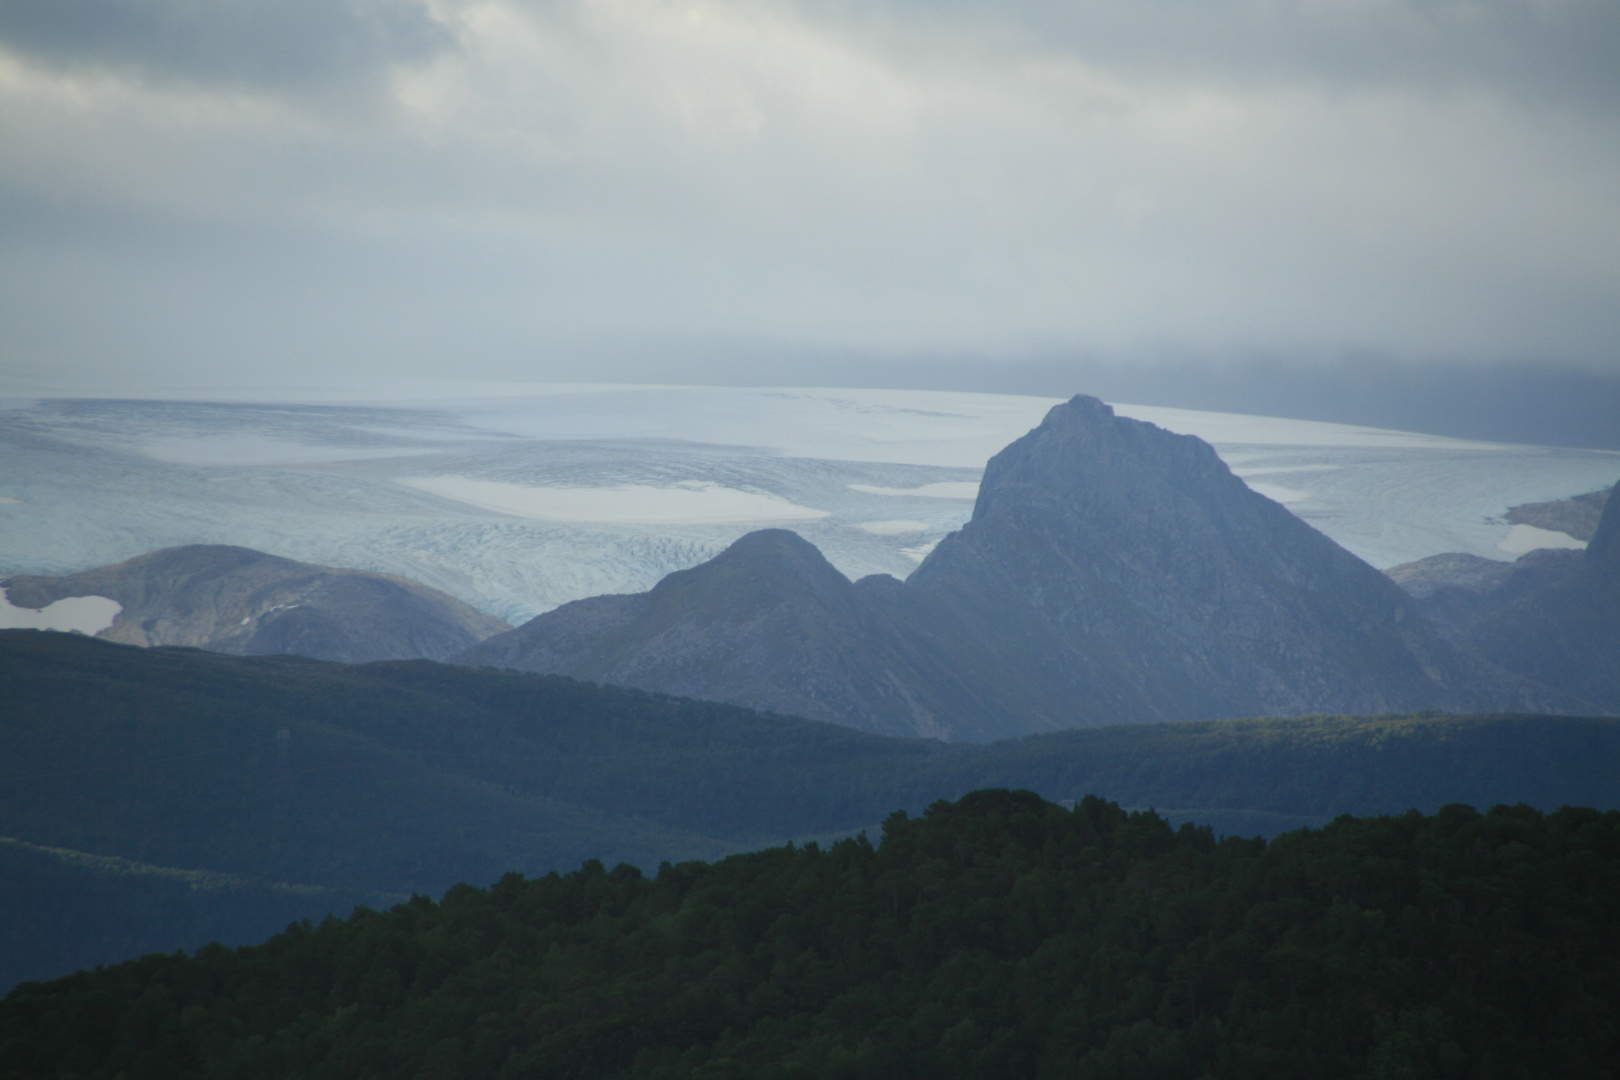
[1112, 571]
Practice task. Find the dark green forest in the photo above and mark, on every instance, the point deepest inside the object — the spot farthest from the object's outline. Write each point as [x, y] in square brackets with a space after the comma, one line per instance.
[149, 800]
[998, 936]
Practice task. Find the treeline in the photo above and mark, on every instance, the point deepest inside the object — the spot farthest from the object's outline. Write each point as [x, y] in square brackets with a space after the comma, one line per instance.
[998, 936]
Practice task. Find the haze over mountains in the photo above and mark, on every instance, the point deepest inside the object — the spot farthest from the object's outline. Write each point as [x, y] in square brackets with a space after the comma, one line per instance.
[1112, 572]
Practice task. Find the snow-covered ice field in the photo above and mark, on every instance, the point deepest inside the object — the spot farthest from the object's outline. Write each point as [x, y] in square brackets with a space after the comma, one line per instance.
[526, 498]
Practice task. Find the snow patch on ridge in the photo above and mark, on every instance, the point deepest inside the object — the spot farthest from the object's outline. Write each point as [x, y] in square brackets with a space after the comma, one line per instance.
[86, 614]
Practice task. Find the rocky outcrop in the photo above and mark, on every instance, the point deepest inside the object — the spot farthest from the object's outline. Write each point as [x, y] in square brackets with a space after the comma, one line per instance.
[1577, 517]
[237, 600]
[1112, 572]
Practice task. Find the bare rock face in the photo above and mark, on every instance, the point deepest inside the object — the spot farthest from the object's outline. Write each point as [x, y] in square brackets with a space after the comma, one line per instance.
[1112, 572]
[237, 600]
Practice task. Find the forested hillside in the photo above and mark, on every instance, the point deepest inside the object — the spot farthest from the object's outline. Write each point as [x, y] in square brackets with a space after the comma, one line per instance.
[1001, 936]
[184, 796]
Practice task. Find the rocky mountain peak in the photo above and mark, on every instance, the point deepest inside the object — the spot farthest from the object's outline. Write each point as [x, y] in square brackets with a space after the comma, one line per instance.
[1087, 458]
[775, 550]
[765, 568]
[1157, 514]
[1163, 586]
[1110, 482]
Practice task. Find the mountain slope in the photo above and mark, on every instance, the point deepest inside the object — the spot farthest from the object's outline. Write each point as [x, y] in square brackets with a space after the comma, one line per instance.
[1112, 572]
[237, 600]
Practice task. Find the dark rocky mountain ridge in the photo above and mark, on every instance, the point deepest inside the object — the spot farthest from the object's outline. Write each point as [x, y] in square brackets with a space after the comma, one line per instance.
[1112, 572]
[241, 601]
[1455, 590]
[1549, 616]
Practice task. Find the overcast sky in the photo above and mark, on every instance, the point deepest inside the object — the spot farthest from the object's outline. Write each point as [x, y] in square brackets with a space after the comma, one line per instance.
[241, 190]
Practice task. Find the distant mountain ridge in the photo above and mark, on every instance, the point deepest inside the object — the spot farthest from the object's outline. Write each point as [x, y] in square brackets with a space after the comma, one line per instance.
[1112, 572]
[237, 600]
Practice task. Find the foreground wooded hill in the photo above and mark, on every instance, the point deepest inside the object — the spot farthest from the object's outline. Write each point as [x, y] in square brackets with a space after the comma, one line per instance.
[152, 802]
[1000, 936]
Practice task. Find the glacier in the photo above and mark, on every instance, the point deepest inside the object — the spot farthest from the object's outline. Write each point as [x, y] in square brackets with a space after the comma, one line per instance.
[520, 500]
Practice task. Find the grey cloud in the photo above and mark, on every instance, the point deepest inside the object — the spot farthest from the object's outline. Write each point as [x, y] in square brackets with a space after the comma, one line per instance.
[278, 44]
[554, 202]
[1567, 50]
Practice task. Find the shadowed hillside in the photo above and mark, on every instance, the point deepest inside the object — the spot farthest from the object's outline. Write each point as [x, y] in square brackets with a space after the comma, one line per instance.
[410, 776]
